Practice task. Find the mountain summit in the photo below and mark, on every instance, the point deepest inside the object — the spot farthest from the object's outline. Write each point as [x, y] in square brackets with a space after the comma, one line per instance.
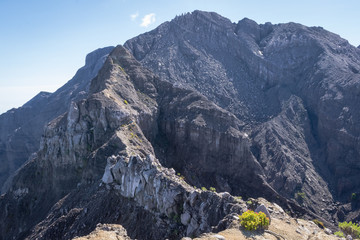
[295, 89]
[144, 129]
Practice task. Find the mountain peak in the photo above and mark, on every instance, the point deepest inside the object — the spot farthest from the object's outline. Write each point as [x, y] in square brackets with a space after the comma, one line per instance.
[94, 56]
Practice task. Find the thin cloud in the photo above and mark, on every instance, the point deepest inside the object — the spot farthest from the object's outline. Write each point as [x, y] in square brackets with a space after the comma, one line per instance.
[134, 16]
[148, 19]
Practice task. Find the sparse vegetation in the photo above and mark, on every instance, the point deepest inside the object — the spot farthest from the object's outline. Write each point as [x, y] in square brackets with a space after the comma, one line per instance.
[126, 102]
[212, 189]
[251, 220]
[349, 228]
[300, 197]
[181, 176]
[353, 196]
[339, 234]
[203, 188]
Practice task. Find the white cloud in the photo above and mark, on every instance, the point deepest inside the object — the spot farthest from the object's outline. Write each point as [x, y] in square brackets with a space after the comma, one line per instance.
[134, 16]
[148, 19]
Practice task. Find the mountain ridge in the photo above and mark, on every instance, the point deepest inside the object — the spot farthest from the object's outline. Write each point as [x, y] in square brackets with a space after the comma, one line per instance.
[253, 110]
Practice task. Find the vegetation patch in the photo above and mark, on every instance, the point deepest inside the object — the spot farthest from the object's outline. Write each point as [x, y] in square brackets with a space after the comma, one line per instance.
[251, 220]
[212, 189]
[349, 228]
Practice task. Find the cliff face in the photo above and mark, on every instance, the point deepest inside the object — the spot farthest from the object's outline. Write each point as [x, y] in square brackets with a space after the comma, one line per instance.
[293, 87]
[21, 128]
[253, 110]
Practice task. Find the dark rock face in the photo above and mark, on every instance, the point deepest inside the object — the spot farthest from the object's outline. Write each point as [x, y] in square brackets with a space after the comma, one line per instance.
[21, 129]
[292, 86]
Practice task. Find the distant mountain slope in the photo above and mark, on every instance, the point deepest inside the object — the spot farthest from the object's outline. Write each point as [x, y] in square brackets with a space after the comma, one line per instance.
[21, 128]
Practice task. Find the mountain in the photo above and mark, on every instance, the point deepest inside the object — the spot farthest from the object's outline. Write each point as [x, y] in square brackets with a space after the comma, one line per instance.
[200, 102]
[295, 89]
[21, 129]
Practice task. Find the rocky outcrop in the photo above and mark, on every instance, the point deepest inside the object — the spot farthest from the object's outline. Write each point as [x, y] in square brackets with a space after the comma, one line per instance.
[159, 190]
[21, 129]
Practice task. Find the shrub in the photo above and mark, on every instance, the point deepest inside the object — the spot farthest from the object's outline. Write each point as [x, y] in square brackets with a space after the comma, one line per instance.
[212, 189]
[204, 188]
[339, 234]
[350, 228]
[238, 198]
[251, 220]
[353, 196]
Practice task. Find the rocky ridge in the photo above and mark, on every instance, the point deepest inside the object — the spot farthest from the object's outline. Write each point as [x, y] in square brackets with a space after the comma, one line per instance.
[283, 227]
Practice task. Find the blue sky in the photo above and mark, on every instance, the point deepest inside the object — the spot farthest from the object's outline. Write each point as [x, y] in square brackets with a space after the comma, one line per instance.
[43, 43]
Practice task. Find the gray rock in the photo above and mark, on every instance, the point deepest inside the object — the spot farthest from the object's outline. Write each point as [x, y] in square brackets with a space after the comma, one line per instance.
[328, 231]
[262, 208]
[185, 218]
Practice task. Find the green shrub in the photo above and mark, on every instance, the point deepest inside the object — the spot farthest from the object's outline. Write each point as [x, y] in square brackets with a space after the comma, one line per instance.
[251, 220]
[353, 196]
[349, 228]
[238, 198]
[212, 189]
[300, 195]
[204, 188]
[339, 234]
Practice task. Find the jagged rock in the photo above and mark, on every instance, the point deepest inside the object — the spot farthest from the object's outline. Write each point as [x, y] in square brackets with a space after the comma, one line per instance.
[163, 192]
